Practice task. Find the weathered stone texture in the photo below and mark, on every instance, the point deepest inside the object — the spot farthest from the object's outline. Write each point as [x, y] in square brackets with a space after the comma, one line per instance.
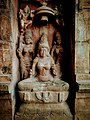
[82, 57]
[82, 101]
[5, 102]
[5, 60]
[4, 84]
[84, 86]
[5, 36]
[46, 97]
[82, 76]
[82, 106]
[84, 4]
[82, 38]
[58, 111]
[80, 29]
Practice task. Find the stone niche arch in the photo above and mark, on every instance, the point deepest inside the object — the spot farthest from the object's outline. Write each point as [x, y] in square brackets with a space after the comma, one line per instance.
[55, 19]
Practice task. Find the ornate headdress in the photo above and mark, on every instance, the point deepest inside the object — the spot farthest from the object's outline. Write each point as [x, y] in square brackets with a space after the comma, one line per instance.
[44, 42]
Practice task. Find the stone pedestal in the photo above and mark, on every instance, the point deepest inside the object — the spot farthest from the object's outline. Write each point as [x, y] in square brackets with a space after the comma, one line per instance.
[43, 101]
[42, 111]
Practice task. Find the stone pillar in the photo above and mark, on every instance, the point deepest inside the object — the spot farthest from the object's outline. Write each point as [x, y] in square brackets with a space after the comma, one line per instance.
[5, 102]
[5, 60]
[82, 59]
[8, 61]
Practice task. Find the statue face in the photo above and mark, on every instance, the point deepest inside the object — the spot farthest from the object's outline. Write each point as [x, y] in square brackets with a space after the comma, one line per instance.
[58, 42]
[28, 40]
[43, 52]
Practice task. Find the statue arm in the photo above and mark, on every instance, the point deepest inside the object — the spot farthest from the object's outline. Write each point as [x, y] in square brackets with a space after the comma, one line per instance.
[34, 65]
[53, 67]
[19, 52]
[52, 50]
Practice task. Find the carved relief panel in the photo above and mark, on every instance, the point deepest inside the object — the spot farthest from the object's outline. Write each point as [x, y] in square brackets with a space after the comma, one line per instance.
[40, 56]
[40, 22]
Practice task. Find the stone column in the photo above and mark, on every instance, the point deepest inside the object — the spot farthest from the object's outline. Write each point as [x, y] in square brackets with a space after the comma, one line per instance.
[9, 73]
[5, 60]
[82, 59]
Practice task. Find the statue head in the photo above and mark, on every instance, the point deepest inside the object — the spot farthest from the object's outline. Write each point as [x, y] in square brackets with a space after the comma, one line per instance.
[28, 37]
[43, 47]
[27, 10]
[58, 38]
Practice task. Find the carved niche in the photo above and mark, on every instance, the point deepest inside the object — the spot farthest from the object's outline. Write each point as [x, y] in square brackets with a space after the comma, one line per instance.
[44, 19]
[40, 57]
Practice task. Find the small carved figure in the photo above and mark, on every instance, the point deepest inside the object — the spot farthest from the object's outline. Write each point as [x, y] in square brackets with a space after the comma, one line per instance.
[56, 53]
[26, 17]
[58, 15]
[25, 53]
[43, 68]
[57, 50]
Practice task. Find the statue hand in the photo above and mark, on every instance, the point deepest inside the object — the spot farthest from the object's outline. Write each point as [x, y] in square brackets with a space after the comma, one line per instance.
[30, 73]
[54, 70]
[19, 52]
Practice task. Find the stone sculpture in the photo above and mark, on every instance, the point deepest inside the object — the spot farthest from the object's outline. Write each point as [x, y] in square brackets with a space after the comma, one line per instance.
[44, 63]
[25, 53]
[56, 53]
[57, 50]
[43, 78]
[26, 17]
[41, 88]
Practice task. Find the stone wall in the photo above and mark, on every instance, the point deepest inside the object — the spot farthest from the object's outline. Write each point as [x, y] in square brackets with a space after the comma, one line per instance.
[82, 59]
[5, 60]
[9, 66]
[8, 60]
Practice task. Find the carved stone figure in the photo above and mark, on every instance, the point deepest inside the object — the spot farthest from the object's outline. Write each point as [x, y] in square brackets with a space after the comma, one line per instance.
[26, 17]
[43, 78]
[43, 63]
[25, 53]
[57, 50]
[56, 53]
[41, 83]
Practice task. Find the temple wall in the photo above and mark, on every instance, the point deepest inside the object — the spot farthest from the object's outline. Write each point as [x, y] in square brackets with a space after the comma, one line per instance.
[82, 59]
[9, 64]
[8, 60]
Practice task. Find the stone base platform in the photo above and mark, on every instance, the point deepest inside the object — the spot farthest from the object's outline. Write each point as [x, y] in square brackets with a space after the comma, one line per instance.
[39, 111]
[43, 92]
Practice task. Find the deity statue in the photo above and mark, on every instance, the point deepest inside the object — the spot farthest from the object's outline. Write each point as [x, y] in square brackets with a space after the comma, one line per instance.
[41, 88]
[25, 53]
[44, 63]
[44, 81]
[56, 53]
[57, 50]
[43, 67]
[26, 17]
